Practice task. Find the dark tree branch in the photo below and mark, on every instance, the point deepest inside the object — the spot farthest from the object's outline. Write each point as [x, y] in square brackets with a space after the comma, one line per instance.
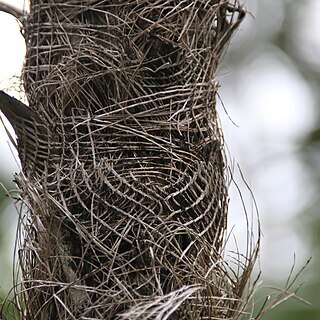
[17, 13]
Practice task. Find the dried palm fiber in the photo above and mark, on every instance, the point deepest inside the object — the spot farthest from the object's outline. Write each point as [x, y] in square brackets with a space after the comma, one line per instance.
[127, 210]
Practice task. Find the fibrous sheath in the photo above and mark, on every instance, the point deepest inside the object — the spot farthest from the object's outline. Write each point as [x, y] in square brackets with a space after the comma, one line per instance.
[127, 214]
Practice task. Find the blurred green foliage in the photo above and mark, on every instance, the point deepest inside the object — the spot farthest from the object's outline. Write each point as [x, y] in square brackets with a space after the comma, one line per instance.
[8, 219]
[282, 24]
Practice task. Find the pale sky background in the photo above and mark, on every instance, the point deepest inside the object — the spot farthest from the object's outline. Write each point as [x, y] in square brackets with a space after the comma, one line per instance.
[272, 107]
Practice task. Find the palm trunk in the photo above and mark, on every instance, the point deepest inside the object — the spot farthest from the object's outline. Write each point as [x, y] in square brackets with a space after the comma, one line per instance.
[127, 210]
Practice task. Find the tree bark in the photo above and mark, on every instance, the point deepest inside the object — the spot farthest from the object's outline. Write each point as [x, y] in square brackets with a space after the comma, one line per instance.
[127, 207]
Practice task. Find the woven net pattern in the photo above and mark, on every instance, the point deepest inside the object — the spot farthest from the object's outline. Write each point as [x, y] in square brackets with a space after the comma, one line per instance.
[127, 209]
